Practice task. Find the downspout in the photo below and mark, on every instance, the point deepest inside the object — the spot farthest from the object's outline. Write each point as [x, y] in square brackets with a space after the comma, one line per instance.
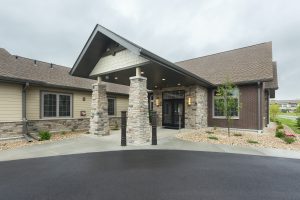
[24, 118]
[259, 107]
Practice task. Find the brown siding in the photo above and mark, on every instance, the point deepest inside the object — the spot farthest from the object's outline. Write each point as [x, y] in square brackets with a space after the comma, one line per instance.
[248, 116]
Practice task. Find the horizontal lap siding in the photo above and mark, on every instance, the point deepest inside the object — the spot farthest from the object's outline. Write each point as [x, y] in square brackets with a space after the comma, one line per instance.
[121, 104]
[80, 105]
[33, 101]
[248, 118]
[10, 102]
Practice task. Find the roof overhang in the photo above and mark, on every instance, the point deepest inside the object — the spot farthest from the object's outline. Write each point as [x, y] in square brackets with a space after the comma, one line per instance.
[155, 70]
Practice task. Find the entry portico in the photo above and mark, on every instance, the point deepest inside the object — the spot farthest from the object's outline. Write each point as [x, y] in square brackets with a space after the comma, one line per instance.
[178, 96]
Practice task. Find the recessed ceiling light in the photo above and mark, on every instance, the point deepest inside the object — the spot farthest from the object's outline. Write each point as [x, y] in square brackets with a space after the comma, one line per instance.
[142, 72]
[116, 78]
[178, 84]
[163, 79]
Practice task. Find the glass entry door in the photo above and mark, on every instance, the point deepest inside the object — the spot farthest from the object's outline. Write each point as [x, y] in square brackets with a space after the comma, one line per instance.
[173, 109]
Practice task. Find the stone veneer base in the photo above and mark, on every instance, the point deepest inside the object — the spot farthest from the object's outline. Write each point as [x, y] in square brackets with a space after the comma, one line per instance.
[138, 127]
[99, 123]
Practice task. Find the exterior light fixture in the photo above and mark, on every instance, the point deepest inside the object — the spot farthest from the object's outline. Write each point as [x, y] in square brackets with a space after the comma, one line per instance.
[155, 86]
[189, 101]
[157, 101]
[178, 84]
[163, 79]
[116, 78]
[142, 72]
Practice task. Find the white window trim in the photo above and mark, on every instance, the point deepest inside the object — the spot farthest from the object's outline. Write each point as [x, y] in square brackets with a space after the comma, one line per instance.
[115, 106]
[223, 117]
[57, 105]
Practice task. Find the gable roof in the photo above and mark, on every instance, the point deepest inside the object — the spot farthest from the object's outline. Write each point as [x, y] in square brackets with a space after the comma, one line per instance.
[274, 83]
[20, 69]
[99, 41]
[243, 65]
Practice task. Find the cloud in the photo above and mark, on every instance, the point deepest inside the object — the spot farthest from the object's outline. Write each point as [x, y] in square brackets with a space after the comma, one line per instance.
[55, 31]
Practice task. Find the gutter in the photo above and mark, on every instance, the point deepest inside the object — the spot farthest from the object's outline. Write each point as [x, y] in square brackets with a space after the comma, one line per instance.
[24, 118]
[259, 106]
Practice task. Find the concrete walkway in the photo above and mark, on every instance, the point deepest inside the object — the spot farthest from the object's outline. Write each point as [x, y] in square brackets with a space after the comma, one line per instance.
[166, 140]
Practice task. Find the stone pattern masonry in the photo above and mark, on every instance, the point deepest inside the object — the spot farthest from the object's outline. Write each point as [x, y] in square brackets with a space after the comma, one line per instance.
[99, 123]
[138, 127]
[196, 114]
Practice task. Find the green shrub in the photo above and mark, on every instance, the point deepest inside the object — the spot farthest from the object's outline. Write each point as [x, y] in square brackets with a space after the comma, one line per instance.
[252, 141]
[279, 133]
[209, 132]
[45, 135]
[298, 122]
[289, 140]
[63, 132]
[237, 134]
[279, 127]
[213, 138]
[278, 122]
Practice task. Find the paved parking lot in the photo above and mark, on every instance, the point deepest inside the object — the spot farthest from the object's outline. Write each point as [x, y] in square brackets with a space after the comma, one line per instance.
[151, 174]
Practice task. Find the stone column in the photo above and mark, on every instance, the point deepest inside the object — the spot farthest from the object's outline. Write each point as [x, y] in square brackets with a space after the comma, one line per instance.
[99, 123]
[196, 113]
[201, 107]
[138, 127]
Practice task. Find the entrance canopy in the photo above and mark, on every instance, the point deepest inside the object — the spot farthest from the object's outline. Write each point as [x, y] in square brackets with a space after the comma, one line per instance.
[114, 59]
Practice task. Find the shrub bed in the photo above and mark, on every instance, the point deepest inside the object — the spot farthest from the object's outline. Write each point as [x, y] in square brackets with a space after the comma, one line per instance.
[45, 135]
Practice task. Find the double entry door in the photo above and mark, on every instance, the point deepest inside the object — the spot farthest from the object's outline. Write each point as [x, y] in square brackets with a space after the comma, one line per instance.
[173, 111]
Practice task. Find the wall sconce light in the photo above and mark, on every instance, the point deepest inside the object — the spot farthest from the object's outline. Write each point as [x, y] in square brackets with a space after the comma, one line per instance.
[189, 102]
[157, 101]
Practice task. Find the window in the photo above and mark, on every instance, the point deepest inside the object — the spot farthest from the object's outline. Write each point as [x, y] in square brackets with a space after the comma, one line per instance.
[111, 106]
[56, 105]
[217, 100]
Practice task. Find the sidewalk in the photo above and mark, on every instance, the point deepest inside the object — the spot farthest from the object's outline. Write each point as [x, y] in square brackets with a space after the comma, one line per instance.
[166, 140]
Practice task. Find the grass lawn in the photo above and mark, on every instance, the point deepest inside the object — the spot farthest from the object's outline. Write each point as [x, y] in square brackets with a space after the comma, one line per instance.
[289, 114]
[291, 123]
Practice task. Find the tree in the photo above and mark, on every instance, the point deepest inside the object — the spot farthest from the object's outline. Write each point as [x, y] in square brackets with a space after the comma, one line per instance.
[227, 103]
[298, 109]
[274, 110]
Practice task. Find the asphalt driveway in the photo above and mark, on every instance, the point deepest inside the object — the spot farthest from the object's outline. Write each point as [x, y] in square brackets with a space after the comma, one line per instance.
[151, 174]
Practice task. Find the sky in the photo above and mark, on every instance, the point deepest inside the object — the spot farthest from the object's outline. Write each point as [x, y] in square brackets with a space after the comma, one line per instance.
[55, 31]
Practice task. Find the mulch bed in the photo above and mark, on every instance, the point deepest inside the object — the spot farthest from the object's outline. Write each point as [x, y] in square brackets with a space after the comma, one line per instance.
[240, 138]
[11, 144]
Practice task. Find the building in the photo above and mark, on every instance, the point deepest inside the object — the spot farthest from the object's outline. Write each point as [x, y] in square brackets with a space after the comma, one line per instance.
[287, 105]
[182, 93]
[36, 96]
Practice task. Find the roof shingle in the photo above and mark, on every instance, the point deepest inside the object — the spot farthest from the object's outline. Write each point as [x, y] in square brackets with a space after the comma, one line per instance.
[20, 68]
[247, 64]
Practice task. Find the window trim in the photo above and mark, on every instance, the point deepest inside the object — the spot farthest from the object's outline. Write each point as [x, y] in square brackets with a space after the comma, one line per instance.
[57, 105]
[115, 105]
[213, 107]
